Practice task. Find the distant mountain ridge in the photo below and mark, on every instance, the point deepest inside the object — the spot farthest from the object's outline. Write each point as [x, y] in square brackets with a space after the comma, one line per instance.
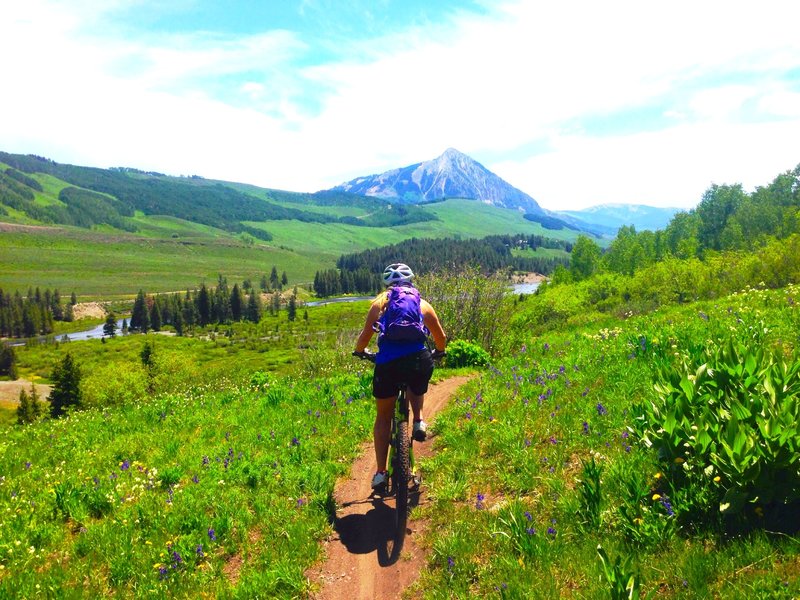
[451, 175]
[614, 216]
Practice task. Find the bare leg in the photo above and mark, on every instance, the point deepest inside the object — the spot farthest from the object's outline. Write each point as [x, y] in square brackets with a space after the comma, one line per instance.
[383, 430]
[416, 404]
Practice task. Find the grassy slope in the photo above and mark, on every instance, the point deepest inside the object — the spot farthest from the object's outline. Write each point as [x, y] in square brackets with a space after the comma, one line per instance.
[112, 265]
[508, 512]
[170, 254]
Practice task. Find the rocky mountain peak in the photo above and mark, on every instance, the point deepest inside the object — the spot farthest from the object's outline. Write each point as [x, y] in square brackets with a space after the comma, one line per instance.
[451, 175]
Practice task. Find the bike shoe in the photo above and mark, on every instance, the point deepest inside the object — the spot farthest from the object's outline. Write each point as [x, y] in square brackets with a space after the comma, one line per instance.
[379, 480]
[420, 432]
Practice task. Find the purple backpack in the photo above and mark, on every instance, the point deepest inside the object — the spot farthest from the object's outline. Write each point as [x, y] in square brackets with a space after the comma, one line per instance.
[402, 319]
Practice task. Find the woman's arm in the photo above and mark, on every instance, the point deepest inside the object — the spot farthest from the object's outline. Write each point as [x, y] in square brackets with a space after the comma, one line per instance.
[434, 326]
[366, 334]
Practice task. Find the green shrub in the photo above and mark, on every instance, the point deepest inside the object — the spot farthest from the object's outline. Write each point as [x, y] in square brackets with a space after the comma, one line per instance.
[461, 353]
[728, 415]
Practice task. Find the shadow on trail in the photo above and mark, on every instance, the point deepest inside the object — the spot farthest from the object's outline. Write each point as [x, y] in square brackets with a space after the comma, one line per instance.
[373, 531]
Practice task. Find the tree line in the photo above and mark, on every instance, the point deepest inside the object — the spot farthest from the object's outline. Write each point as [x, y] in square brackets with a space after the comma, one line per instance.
[114, 194]
[33, 314]
[209, 305]
[361, 272]
[726, 219]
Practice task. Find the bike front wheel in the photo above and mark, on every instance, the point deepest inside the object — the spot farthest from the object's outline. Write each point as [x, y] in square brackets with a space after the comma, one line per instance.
[400, 479]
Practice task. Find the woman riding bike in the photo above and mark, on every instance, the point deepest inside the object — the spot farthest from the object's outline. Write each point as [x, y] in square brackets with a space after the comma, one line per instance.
[399, 360]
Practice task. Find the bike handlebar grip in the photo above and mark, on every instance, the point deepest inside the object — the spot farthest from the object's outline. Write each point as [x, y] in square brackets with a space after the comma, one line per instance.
[364, 355]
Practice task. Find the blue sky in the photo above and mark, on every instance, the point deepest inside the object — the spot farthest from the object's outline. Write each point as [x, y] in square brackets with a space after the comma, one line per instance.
[577, 103]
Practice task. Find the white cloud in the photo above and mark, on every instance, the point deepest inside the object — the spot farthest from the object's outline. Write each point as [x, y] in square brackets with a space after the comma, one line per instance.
[534, 74]
[666, 168]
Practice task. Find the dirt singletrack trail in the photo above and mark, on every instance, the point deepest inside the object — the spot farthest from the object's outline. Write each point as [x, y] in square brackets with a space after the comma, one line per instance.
[356, 566]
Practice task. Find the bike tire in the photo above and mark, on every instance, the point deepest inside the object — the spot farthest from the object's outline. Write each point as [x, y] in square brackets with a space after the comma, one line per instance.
[402, 475]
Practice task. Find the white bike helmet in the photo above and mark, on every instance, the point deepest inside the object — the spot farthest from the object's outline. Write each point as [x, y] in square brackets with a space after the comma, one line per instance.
[397, 273]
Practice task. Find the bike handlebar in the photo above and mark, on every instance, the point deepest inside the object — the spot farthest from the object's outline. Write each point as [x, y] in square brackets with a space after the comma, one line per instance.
[370, 356]
[365, 355]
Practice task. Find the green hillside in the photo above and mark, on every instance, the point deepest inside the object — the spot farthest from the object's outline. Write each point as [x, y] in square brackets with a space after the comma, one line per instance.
[110, 232]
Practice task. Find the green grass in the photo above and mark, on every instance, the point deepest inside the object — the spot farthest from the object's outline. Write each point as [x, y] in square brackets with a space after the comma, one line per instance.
[509, 516]
[511, 449]
[220, 494]
[101, 265]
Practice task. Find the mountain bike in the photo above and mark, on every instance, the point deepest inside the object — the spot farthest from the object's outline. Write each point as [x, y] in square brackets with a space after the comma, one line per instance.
[400, 464]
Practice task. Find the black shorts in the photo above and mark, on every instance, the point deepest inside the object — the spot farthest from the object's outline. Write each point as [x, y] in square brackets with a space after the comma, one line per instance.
[415, 370]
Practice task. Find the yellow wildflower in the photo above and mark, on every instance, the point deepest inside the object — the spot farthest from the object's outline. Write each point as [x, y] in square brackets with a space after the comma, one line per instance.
[656, 497]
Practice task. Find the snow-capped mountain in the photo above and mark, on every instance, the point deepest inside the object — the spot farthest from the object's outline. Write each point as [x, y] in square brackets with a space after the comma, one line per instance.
[451, 175]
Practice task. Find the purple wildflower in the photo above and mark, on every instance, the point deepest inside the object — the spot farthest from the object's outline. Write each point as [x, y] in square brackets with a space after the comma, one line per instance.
[528, 516]
[531, 530]
[667, 505]
[585, 428]
[196, 479]
[551, 531]
[205, 461]
[199, 551]
[527, 443]
[553, 439]
[601, 410]
[211, 535]
[546, 347]
[301, 502]
[125, 465]
[162, 572]
[28, 465]
[295, 441]
[479, 501]
[451, 562]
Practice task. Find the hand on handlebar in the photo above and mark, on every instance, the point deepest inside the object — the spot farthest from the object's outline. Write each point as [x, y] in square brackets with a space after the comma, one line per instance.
[365, 355]
[438, 355]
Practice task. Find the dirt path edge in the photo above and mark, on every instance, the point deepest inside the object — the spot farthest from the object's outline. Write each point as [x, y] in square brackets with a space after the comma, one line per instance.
[352, 568]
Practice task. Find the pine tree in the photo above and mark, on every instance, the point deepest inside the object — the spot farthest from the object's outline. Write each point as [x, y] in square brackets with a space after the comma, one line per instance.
[73, 299]
[24, 412]
[66, 393]
[36, 405]
[284, 279]
[291, 308]
[148, 350]
[155, 317]
[273, 278]
[203, 306]
[124, 326]
[8, 361]
[236, 303]
[110, 326]
[177, 322]
[254, 307]
[140, 319]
